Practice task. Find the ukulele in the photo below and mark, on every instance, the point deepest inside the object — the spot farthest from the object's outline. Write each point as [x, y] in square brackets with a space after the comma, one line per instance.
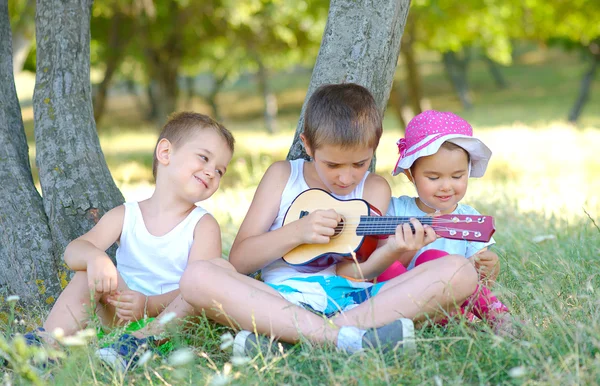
[356, 234]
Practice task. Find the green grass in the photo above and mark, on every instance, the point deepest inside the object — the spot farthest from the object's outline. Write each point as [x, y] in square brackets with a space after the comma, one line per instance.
[542, 177]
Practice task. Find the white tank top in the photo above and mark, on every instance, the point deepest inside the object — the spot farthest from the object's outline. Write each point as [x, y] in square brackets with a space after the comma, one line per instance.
[150, 264]
[279, 270]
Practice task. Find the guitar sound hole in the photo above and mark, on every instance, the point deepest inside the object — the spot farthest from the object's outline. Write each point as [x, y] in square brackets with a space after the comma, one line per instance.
[339, 228]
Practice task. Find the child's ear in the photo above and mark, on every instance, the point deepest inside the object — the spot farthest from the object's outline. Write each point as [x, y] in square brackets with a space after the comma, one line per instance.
[163, 151]
[306, 147]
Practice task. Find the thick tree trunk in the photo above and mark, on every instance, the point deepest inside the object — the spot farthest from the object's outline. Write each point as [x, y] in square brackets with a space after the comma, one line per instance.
[28, 262]
[584, 90]
[360, 44]
[456, 69]
[76, 184]
[269, 99]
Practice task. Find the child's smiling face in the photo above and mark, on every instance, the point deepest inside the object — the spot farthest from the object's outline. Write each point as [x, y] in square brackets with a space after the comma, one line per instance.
[441, 180]
[197, 165]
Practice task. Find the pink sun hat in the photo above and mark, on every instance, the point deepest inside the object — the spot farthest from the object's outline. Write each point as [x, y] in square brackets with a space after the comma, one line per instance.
[426, 132]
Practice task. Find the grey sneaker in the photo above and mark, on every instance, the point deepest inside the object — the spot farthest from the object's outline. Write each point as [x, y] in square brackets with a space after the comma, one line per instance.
[398, 334]
[249, 344]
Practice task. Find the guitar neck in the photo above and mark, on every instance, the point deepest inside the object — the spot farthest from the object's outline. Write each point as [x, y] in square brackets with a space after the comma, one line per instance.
[386, 225]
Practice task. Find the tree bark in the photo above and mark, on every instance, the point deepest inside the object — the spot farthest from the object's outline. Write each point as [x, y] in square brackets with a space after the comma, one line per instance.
[28, 262]
[584, 90]
[360, 44]
[76, 184]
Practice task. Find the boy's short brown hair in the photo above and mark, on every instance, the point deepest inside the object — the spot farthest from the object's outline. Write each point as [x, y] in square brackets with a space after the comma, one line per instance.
[343, 115]
[180, 126]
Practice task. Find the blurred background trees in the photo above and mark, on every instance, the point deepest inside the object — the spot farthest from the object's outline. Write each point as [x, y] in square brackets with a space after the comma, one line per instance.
[168, 53]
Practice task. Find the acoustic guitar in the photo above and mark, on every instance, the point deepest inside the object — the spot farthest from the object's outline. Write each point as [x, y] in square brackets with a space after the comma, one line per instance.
[356, 236]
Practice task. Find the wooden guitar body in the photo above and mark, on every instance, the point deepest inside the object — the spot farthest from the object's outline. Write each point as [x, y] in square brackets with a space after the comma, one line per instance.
[316, 257]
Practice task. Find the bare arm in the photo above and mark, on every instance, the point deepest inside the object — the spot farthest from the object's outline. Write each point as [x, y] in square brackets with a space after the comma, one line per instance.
[94, 243]
[87, 252]
[255, 246]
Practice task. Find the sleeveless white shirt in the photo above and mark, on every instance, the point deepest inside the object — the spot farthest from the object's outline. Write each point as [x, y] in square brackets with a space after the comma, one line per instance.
[279, 270]
[150, 264]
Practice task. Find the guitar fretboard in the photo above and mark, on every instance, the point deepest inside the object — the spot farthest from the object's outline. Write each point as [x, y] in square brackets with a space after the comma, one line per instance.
[373, 225]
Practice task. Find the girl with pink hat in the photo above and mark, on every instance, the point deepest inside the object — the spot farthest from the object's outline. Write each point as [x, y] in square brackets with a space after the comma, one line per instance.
[438, 155]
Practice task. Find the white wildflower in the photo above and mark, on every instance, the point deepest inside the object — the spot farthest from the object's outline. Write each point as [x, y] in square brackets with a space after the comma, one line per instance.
[517, 372]
[181, 357]
[226, 341]
[145, 357]
[13, 298]
[240, 361]
[58, 333]
[220, 380]
[542, 238]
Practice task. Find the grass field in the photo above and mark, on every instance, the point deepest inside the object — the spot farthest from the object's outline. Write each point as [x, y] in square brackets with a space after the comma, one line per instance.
[542, 188]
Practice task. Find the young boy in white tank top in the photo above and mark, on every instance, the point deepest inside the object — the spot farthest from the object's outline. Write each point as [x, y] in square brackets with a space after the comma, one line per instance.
[157, 237]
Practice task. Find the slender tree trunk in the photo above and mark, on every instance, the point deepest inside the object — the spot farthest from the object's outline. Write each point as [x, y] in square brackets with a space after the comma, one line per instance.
[499, 79]
[584, 90]
[190, 85]
[456, 69]
[270, 100]
[28, 262]
[397, 103]
[413, 78]
[76, 184]
[22, 35]
[113, 60]
[218, 83]
[360, 44]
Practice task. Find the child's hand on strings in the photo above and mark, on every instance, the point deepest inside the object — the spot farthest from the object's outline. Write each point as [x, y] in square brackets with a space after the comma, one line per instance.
[130, 305]
[487, 264]
[318, 226]
[406, 240]
[102, 275]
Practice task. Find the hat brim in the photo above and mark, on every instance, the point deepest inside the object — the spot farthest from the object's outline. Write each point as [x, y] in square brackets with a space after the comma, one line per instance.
[479, 153]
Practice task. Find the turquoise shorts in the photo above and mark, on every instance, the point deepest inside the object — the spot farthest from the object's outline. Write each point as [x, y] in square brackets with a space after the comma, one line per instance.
[326, 295]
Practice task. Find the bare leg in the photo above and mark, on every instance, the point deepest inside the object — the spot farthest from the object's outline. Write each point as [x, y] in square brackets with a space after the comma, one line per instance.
[178, 306]
[236, 300]
[72, 310]
[425, 291]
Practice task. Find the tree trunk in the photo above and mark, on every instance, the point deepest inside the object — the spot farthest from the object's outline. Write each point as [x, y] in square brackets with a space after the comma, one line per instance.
[114, 56]
[360, 44]
[217, 85]
[456, 69]
[76, 184]
[270, 100]
[413, 78]
[28, 262]
[495, 72]
[584, 91]
[22, 32]
[397, 103]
